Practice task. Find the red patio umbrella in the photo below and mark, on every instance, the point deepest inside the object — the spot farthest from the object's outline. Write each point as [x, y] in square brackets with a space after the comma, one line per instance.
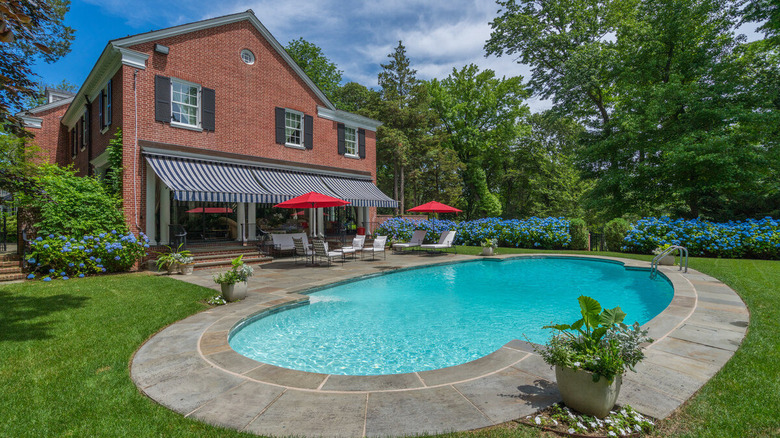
[434, 207]
[312, 200]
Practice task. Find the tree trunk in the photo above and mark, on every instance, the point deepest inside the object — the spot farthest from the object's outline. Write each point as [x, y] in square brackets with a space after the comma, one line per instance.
[402, 190]
[395, 185]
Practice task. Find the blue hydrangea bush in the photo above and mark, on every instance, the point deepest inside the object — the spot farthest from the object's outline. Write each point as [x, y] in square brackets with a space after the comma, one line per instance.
[539, 233]
[53, 257]
[733, 239]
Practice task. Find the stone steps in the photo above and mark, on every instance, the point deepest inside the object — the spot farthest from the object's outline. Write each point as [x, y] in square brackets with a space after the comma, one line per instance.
[213, 256]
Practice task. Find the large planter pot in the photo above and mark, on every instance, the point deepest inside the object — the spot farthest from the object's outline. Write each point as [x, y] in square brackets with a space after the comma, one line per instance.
[173, 268]
[487, 250]
[186, 269]
[581, 393]
[667, 260]
[234, 292]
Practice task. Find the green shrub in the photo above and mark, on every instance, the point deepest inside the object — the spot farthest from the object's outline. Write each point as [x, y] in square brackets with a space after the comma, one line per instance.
[615, 232]
[10, 226]
[579, 234]
[79, 205]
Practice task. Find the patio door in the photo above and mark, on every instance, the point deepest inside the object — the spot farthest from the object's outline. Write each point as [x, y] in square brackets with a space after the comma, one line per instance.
[207, 221]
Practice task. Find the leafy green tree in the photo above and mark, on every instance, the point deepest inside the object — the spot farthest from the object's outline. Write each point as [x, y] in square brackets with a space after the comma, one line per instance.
[766, 12]
[480, 114]
[674, 121]
[356, 98]
[29, 31]
[316, 65]
[113, 177]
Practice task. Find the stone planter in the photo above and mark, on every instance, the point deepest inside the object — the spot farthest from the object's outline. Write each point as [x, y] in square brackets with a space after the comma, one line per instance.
[234, 292]
[581, 393]
[173, 268]
[186, 269]
[487, 250]
[666, 260]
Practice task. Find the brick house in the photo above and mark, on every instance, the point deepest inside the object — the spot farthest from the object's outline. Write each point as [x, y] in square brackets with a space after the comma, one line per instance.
[213, 114]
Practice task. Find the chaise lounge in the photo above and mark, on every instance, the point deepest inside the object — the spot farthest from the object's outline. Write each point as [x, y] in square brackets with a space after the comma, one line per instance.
[445, 242]
[417, 239]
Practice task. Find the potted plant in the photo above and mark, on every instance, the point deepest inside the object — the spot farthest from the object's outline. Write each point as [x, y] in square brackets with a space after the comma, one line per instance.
[186, 264]
[591, 355]
[170, 260]
[489, 246]
[233, 282]
[667, 260]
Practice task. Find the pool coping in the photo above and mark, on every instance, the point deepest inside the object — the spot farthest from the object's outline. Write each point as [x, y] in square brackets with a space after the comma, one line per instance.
[190, 368]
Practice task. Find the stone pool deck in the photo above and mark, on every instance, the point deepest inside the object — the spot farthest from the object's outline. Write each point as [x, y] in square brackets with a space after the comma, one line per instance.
[190, 368]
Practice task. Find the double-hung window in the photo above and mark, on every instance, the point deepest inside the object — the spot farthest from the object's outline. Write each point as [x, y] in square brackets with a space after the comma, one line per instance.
[350, 141]
[84, 130]
[185, 103]
[104, 107]
[293, 128]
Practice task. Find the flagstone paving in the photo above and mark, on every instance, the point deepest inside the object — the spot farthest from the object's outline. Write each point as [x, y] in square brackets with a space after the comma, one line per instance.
[190, 368]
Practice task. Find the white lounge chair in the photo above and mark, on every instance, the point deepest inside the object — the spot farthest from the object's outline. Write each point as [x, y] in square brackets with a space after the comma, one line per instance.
[321, 251]
[445, 242]
[357, 244]
[417, 239]
[378, 246]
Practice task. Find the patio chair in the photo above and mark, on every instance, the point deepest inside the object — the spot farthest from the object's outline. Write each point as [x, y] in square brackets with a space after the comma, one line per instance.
[357, 244]
[321, 251]
[378, 246]
[301, 250]
[417, 239]
[445, 242]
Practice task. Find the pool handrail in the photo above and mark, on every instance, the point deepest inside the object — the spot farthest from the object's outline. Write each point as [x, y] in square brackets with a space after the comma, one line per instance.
[682, 252]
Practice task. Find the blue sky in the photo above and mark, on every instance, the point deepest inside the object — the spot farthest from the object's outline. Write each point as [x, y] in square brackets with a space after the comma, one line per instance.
[356, 35]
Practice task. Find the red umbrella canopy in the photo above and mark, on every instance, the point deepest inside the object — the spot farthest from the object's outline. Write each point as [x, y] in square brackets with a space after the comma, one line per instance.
[210, 210]
[434, 207]
[312, 200]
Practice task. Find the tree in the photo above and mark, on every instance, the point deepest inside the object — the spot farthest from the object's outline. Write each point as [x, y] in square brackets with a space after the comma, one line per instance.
[356, 98]
[39, 96]
[316, 65]
[480, 114]
[673, 126]
[29, 31]
[766, 12]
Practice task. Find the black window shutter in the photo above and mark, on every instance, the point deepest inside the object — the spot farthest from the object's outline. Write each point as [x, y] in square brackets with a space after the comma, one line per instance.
[280, 126]
[340, 131]
[100, 110]
[108, 103]
[207, 109]
[308, 132]
[162, 99]
[362, 143]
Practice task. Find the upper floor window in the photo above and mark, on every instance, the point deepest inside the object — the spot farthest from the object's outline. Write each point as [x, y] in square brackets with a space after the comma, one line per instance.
[185, 103]
[293, 128]
[350, 141]
[247, 56]
[104, 107]
[84, 130]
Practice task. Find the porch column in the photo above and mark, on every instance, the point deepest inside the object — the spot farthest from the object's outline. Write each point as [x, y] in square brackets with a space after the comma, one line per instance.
[241, 228]
[366, 219]
[252, 221]
[320, 222]
[360, 218]
[165, 214]
[151, 201]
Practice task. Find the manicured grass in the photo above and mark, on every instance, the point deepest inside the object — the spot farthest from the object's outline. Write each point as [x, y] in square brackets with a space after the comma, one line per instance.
[65, 347]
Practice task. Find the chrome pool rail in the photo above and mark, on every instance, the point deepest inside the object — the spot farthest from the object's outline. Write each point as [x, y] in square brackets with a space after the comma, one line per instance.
[682, 252]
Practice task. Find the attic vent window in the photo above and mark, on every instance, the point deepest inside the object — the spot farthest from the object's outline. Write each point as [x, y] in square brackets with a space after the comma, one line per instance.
[247, 56]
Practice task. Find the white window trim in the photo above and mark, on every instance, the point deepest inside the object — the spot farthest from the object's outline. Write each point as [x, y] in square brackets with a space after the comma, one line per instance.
[84, 130]
[357, 143]
[197, 126]
[293, 145]
[251, 53]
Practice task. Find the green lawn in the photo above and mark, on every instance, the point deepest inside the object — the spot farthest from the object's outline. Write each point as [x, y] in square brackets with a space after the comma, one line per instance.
[65, 349]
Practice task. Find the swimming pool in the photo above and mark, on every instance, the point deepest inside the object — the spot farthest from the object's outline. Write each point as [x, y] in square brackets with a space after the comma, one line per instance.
[444, 315]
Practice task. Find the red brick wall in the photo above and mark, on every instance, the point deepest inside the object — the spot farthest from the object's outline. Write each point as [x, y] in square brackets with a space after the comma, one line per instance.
[51, 138]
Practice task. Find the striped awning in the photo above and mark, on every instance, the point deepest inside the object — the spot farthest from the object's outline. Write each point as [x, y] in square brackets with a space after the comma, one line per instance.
[206, 181]
[360, 193]
[287, 185]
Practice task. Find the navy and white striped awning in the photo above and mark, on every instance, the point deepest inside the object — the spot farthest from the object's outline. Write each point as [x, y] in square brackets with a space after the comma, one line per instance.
[287, 185]
[207, 181]
[360, 193]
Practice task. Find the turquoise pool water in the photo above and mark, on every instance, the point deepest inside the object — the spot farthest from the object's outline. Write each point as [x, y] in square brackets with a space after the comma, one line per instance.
[440, 316]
